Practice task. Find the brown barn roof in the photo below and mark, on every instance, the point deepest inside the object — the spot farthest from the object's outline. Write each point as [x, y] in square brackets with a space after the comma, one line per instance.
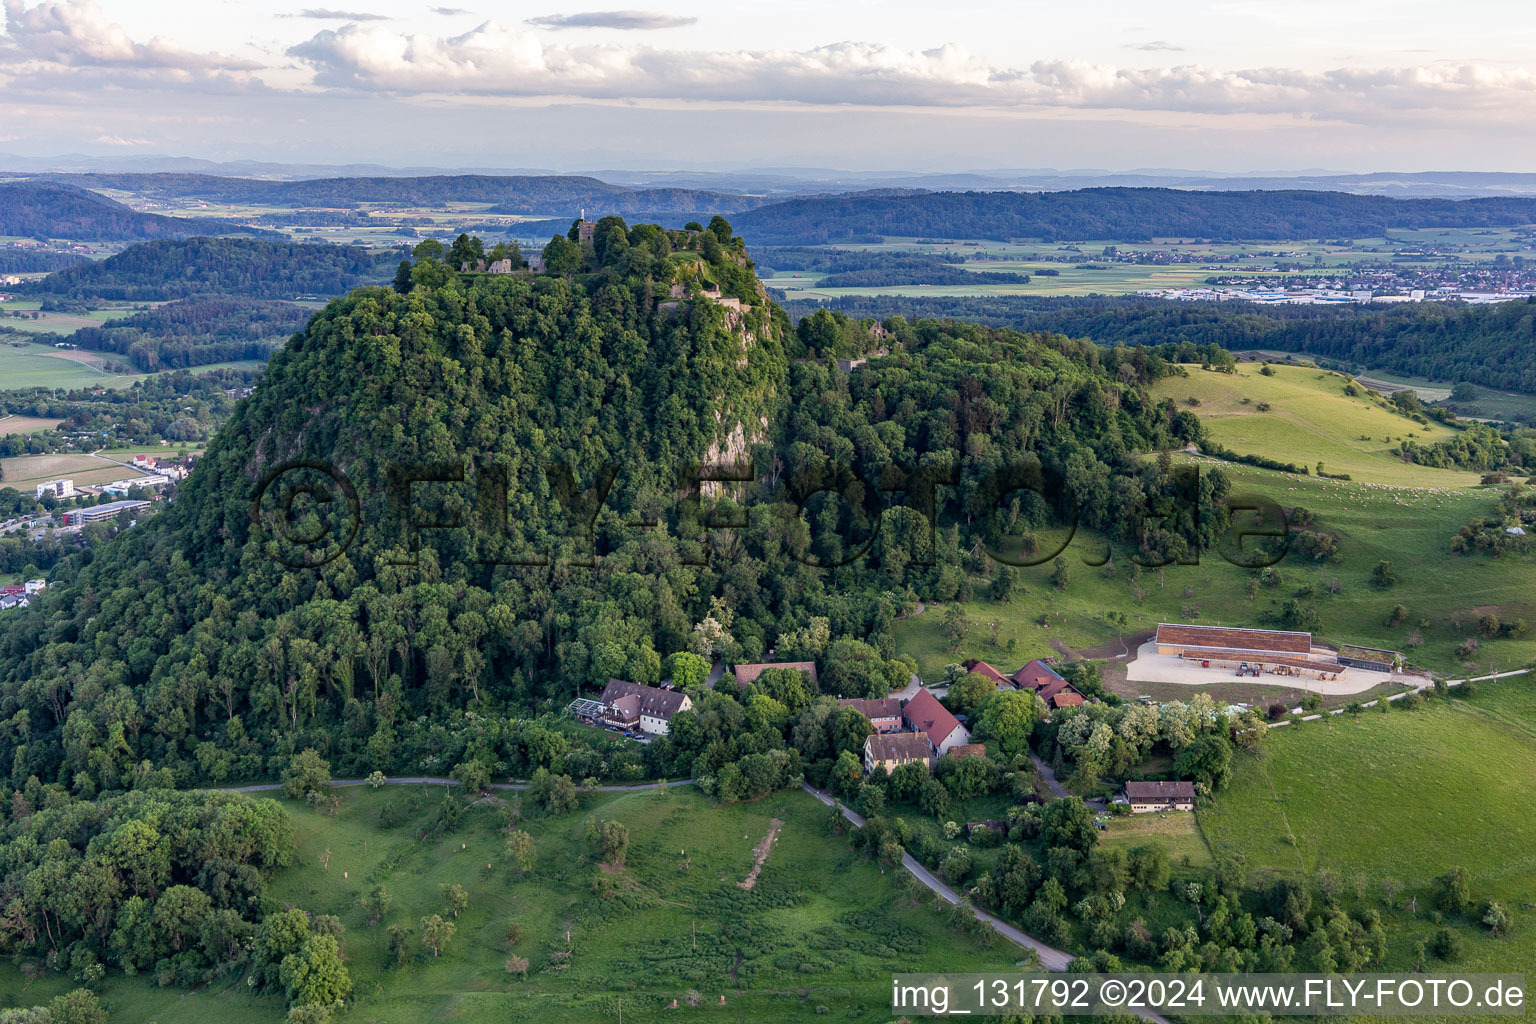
[1154, 791]
[893, 746]
[654, 701]
[1272, 640]
[885, 707]
[925, 714]
[968, 750]
[1035, 675]
[981, 668]
[746, 673]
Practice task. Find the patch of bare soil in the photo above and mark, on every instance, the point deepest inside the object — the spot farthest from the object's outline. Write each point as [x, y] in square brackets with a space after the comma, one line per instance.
[760, 853]
[1122, 648]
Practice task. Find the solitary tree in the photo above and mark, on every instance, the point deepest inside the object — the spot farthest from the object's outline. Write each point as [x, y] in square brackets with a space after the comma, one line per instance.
[436, 930]
[520, 850]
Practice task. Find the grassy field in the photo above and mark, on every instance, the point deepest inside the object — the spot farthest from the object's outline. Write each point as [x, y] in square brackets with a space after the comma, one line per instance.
[1310, 420]
[27, 364]
[27, 424]
[1403, 796]
[820, 928]
[1411, 527]
[1176, 830]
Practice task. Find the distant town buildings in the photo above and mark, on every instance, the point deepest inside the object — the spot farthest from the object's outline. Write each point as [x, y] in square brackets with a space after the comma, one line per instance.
[100, 513]
[56, 489]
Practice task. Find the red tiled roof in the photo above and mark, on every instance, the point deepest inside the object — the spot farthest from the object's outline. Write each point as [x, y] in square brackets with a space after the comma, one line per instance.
[1035, 675]
[1272, 640]
[882, 708]
[968, 750]
[925, 714]
[1068, 698]
[746, 673]
[981, 668]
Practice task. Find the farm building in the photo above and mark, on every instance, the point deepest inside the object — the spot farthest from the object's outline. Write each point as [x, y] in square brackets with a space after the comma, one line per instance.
[1145, 797]
[1272, 650]
[981, 668]
[925, 714]
[626, 705]
[895, 749]
[883, 713]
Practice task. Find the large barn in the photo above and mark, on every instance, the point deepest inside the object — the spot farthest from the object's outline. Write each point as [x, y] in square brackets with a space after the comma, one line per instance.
[1272, 650]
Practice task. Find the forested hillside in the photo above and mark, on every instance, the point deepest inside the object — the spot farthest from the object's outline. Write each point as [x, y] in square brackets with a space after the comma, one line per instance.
[253, 268]
[527, 193]
[47, 209]
[1492, 345]
[201, 640]
[193, 332]
[1120, 214]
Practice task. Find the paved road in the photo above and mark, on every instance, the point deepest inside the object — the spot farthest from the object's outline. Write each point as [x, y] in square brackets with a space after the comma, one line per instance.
[1056, 788]
[1051, 959]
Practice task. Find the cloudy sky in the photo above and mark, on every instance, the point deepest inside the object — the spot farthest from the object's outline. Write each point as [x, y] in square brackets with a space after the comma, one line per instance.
[1231, 85]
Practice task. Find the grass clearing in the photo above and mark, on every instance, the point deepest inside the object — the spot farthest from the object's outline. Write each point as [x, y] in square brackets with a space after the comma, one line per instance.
[820, 927]
[1310, 420]
[1404, 796]
[1174, 829]
[28, 424]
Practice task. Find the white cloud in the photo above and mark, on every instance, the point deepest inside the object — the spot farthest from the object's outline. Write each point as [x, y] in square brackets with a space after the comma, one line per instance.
[492, 60]
[629, 21]
[327, 14]
[72, 42]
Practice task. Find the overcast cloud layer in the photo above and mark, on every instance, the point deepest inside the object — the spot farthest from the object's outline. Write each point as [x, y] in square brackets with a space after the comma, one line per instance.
[56, 49]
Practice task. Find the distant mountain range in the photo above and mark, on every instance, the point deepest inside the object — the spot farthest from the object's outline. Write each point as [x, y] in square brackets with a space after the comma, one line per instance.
[783, 181]
[1119, 214]
[52, 209]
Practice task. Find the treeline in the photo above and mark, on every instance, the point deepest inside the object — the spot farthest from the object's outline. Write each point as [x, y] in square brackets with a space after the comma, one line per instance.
[192, 332]
[36, 261]
[253, 268]
[151, 881]
[1492, 345]
[1122, 214]
[877, 269]
[49, 209]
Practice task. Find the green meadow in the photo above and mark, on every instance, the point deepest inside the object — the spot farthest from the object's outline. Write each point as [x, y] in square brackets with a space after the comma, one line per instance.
[820, 927]
[1310, 419]
[1395, 800]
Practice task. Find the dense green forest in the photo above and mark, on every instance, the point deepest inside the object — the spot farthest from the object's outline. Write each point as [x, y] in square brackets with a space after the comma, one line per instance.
[192, 332]
[36, 261]
[1120, 214]
[48, 209]
[253, 268]
[201, 629]
[1493, 345]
